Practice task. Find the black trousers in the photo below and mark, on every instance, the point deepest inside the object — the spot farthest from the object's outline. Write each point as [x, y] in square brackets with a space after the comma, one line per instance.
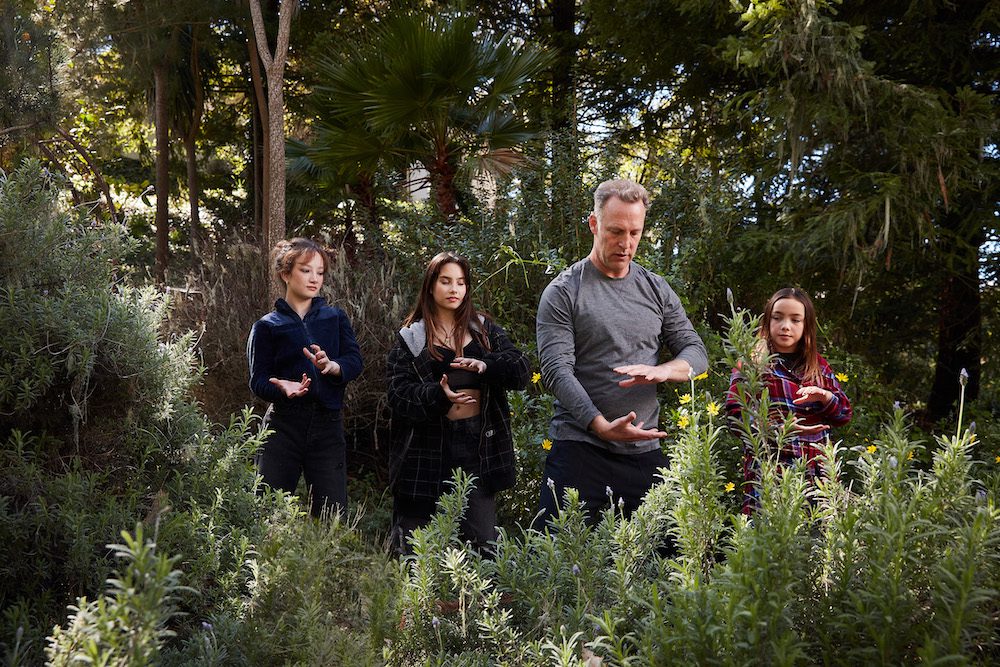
[308, 440]
[460, 449]
[592, 470]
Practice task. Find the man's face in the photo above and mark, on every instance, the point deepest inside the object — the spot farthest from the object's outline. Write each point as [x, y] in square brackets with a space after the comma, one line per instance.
[616, 236]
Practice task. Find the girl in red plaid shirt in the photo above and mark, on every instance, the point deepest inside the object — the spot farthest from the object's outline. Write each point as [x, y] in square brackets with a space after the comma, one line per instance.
[799, 382]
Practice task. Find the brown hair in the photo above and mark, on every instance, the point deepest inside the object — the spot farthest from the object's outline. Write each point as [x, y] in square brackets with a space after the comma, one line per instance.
[807, 344]
[467, 318]
[285, 254]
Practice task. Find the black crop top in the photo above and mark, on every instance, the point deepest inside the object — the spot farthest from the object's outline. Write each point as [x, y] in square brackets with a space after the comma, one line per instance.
[458, 378]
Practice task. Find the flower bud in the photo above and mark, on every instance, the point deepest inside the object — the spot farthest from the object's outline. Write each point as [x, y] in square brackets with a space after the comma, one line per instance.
[963, 377]
[576, 570]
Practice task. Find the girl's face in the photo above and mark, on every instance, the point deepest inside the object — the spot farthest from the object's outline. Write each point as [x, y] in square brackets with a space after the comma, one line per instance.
[786, 325]
[305, 279]
[449, 289]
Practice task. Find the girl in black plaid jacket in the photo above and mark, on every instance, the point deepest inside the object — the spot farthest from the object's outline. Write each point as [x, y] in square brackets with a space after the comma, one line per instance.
[448, 374]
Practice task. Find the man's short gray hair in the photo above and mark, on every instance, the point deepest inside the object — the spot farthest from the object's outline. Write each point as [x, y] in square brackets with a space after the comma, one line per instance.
[626, 190]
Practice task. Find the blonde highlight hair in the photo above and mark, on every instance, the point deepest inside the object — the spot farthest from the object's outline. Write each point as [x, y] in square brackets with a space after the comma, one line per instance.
[286, 253]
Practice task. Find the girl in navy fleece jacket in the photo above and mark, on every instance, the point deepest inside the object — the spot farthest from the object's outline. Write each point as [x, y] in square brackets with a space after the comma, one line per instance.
[301, 356]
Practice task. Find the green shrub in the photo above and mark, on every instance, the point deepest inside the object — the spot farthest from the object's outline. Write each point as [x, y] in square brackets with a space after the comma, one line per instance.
[894, 564]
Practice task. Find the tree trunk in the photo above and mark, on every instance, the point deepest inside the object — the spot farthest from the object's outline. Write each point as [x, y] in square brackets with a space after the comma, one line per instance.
[194, 191]
[261, 145]
[960, 318]
[190, 148]
[162, 171]
[274, 66]
[566, 211]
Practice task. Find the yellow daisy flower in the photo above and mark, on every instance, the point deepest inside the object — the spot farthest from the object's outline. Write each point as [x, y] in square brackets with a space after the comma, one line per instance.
[713, 408]
[546, 444]
[702, 376]
[685, 399]
[730, 487]
[535, 378]
[842, 377]
[683, 421]
[871, 449]
[909, 456]
[997, 459]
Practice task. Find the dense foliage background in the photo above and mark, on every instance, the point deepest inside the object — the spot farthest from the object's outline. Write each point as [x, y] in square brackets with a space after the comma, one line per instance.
[846, 147]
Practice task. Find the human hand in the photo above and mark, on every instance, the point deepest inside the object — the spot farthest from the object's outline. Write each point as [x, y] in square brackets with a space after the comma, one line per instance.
[293, 388]
[318, 356]
[809, 429]
[457, 397]
[623, 430]
[675, 370]
[469, 364]
[812, 395]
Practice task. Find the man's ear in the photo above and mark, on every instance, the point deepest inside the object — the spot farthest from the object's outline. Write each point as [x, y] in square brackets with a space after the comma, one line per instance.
[592, 222]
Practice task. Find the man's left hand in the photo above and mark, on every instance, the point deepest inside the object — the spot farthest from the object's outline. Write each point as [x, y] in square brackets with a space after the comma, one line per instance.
[672, 371]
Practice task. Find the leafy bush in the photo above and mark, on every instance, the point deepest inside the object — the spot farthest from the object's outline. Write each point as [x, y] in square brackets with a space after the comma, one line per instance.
[896, 568]
[101, 435]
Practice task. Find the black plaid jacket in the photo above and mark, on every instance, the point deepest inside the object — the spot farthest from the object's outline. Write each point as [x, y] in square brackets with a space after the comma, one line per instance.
[419, 406]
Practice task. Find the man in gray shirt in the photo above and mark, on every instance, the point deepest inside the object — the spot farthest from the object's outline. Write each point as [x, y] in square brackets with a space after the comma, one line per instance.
[601, 324]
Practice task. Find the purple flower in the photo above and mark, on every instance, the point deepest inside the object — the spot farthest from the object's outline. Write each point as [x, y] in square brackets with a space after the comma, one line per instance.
[435, 622]
[576, 570]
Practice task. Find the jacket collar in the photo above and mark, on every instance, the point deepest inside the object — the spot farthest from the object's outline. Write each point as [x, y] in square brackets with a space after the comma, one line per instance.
[415, 335]
[282, 306]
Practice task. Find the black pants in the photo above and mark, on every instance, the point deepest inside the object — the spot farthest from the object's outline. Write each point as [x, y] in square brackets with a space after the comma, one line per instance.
[308, 439]
[592, 470]
[460, 449]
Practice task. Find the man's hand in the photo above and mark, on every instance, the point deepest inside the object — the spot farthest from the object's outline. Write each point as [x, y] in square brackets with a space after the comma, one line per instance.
[675, 370]
[623, 430]
[291, 388]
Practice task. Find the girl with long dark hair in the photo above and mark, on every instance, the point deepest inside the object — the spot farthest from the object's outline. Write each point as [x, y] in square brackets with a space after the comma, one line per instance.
[448, 374]
[799, 382]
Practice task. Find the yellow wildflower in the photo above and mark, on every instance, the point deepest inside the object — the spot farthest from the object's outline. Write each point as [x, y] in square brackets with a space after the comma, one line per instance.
[871, 449]
[713, 408]
[685, 399]
[546, 444]
[702, 376]
[972, 438]
[909, 456]
[535, 377]
[683, 421]
[730, 487]
[997, 459]
[842, 377]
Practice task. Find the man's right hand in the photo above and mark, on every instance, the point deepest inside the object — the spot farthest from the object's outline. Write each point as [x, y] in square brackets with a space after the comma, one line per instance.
[623, 430]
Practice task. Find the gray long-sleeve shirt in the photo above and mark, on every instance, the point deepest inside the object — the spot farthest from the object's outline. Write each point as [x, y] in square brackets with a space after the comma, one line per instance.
[588, 324]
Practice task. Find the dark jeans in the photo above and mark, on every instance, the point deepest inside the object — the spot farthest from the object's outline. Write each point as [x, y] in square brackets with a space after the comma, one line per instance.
[308, 439]
[478, 526]
[591, 470]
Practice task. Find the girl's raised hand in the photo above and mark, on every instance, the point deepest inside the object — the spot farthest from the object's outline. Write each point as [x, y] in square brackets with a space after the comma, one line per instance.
[292, 388]
[469, 364]
[325, 364]
[457, 397]
[812, 394]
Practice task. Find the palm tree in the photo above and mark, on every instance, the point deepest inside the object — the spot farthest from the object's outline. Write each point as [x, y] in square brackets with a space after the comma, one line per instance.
[428, 90]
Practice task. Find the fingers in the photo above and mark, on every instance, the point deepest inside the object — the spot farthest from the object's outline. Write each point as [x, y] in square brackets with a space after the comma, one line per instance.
[812, 395]
[467, 363]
